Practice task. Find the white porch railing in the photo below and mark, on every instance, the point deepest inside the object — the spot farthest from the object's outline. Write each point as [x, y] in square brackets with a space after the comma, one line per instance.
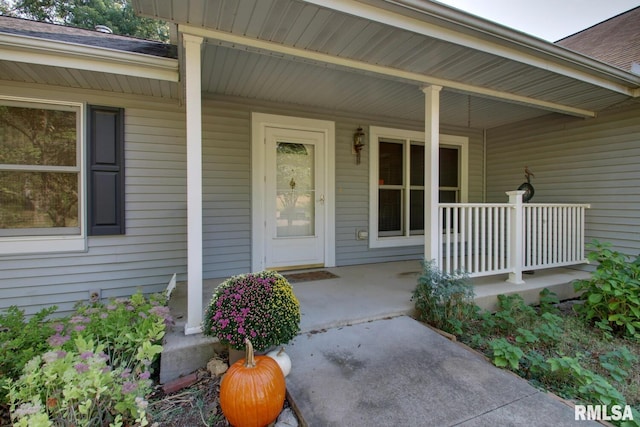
[484, 239]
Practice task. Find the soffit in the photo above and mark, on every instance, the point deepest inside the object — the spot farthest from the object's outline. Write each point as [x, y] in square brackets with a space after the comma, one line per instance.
[68, 77]
[234, 69]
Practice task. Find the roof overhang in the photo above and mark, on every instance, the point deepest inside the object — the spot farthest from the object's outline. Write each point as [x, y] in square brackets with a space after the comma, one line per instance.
[237, 42]
[32, 50]
[467, 30]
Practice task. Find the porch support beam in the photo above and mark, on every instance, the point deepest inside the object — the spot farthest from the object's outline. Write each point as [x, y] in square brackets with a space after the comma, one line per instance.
[192, 64]
[292, 53]
[431, 172]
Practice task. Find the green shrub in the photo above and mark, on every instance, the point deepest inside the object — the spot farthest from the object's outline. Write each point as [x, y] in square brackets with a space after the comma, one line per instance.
[20, 341]
[612, 294]
[92, 368]
[504, 354]
[444, 301]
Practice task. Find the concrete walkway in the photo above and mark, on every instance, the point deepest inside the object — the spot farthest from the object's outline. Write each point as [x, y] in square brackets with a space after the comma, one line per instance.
[397, 372]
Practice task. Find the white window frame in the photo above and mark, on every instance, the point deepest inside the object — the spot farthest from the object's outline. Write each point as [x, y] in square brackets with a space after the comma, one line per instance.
[375, 133]
[45, 244]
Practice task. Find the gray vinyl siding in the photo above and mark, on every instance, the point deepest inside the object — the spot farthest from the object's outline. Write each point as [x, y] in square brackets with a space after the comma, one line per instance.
[155, 244]
[227, 181]
[154, 247]
[226, 174]
[591, 161]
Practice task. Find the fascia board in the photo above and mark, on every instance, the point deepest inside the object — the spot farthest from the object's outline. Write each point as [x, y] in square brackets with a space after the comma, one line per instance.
[34, 50]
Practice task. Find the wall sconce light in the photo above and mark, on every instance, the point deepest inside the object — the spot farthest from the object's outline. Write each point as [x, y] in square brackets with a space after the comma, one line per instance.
[358, 143]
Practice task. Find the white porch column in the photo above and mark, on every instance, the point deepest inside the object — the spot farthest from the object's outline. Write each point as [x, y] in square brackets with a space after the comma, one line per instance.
[431, 172]
[192, 46]
[517, 239]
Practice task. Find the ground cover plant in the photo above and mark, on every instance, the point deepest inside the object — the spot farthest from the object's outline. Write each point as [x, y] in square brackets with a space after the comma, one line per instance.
[93, 368]
[556, 347]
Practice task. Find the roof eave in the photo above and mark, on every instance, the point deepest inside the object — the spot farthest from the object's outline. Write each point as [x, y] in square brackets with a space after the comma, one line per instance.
[20, 48]
[489, 37]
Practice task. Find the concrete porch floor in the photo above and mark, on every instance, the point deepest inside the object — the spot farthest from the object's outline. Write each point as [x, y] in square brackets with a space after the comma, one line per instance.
[359, 294]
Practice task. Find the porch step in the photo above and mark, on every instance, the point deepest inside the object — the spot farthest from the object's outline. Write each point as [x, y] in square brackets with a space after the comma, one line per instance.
[558, 281]
[183, 354]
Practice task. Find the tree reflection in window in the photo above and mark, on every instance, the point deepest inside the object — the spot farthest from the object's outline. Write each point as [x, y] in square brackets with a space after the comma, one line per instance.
[39, 171]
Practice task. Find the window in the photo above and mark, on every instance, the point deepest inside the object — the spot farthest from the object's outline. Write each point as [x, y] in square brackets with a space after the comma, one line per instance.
[42, 175]
[397, 183]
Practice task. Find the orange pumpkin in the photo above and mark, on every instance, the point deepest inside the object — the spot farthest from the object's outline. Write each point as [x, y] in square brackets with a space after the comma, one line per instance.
[252, 391]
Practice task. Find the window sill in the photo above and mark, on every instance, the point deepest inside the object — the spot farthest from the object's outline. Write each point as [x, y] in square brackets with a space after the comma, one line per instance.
[42, 245]
[390, 242]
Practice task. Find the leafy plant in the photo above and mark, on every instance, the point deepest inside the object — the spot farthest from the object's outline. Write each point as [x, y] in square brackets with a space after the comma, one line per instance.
[444, 301]
[618, 363]
[512, 312]
[505, 354]
[78, 388]
[612, 294]
[549, 331]
[549, 302]
[586, 384]
[93, 368]
[258, 306]
[20, 341]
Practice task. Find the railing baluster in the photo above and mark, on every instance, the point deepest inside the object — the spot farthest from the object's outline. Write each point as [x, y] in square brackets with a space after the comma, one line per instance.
[477, 237]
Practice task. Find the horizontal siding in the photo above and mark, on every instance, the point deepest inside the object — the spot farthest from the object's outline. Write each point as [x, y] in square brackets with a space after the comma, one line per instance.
[154, 247]
[226, 165]
[591, 161]
[227, 178]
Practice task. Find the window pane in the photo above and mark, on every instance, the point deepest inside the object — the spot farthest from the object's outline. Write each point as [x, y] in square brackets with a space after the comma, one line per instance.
[390, 212]
[34, 136]
[417, 164]
[390, 163]
[448, 196]
[417, 212]
[449, 167]
[295, 195]
[38, 200]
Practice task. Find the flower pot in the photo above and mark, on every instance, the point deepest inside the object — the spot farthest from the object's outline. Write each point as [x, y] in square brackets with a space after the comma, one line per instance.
[235, 355]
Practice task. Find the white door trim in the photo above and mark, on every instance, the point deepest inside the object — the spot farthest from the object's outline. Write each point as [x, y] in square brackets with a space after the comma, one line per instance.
[259, 123]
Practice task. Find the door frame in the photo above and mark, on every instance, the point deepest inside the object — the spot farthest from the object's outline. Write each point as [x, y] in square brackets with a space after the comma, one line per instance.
[259, 123]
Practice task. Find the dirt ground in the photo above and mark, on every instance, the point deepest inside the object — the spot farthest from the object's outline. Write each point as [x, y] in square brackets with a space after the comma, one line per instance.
[193, 406]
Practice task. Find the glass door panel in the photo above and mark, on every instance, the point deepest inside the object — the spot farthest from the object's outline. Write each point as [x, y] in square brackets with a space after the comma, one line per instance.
[295, 190]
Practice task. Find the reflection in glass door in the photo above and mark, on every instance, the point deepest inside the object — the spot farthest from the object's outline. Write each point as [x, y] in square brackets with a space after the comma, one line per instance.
[295, 190]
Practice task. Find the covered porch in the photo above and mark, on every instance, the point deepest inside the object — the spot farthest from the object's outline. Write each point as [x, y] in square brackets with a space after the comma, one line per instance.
[347, 68]
[357, 294]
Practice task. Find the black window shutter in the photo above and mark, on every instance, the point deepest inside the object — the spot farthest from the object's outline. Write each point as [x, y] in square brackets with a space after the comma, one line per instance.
[106, 171]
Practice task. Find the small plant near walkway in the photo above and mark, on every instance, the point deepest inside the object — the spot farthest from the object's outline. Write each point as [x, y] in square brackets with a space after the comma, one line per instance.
[444, 301]
[552, 345]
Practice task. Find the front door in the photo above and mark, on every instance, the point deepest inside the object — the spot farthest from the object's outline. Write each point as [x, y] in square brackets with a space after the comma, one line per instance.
[294, 198]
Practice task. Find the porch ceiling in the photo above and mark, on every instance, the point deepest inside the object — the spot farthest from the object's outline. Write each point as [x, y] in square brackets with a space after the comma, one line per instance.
[275, 50]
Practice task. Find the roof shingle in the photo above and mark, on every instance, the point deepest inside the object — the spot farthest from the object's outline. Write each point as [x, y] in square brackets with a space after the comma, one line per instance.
[615, 41]
[81, 36]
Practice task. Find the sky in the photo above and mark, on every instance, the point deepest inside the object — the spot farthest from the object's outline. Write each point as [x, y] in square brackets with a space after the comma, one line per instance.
[550, 20]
